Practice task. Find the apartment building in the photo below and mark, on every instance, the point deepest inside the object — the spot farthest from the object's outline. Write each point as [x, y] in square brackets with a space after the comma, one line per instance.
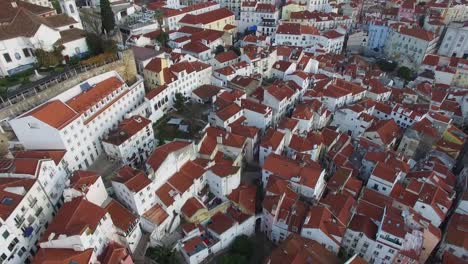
[409, 45]
[134, 189]
[131, 142]
[77, 119]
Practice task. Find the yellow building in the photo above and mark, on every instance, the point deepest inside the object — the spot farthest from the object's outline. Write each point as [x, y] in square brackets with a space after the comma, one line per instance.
[194, 211]
[292, 7]
[153, 72]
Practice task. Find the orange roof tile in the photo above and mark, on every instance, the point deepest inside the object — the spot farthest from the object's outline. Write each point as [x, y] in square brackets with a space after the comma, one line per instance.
[101, 90]
[156, 214]
[160, 154]
[191, 206]
[134, 180]
[121, 216]
[220, 223]
[54, 113]
[62, 256]
[74, 218]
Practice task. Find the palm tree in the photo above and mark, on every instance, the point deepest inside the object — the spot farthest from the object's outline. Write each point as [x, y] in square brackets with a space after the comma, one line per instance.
[159, 15]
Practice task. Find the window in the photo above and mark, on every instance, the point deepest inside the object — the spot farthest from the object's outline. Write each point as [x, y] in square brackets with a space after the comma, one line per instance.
[26, 53]
[17, 56]
[72, 9]
[5, 234]
[7, 57]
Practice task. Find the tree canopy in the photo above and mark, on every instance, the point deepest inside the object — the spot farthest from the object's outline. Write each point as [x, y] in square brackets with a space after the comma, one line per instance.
[386, 66]
[219, 49]
[98, 45]
[405, 73]
[57, 7]
[162, 39]
[162, 254]
[107, 17]
[179, 102]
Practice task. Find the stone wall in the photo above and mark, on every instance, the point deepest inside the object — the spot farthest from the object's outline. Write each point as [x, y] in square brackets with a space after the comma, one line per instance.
[125, 66]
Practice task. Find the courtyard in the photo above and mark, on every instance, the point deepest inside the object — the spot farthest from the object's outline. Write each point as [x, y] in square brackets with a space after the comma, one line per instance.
[186, 123]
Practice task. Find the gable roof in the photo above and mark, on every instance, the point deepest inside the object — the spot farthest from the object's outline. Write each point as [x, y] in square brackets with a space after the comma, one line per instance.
[74, 218]
[160, 154]
[54, 113]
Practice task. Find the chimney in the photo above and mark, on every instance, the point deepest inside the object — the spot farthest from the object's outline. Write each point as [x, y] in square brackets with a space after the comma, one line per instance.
[14, 4]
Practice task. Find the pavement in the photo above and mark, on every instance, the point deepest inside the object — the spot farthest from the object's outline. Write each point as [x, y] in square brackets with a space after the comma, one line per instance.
[251, 174]
[139, 254]
[106, 168]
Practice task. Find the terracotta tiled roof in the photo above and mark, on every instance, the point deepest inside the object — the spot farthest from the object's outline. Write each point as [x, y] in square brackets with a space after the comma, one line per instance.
[115, 253]
[14, 199]
[195, 47]
[127, 129]
[364, 224]
[226, 56]
[417, 32]
[288, 123]
[296, 249]
[166, 194]
[82, 179]
[54, 113]
[121, 216]
[228, 112]
[388, 130]
[272, 138]
[245, 197]
[341, 206]
[220, 223]
[62, 256]
[296, 29]
[60, 20]
[255, 107]
[134, 180]
[206, 91]
[193, 245]
[156, 214]
[321, 218]
[191, 206]
[55, 155]
[74, 218]
[101, 90]
[280, 93]
[222, 170]
[207, 17]
[160, 154]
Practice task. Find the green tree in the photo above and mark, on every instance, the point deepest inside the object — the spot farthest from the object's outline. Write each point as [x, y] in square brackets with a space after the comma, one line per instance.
[94, 42]
[162, 254]
[107, 17]
[219, 49]
[232, 259]
[242, 245]
[159, 15]
[386, 66]
[160, 138]
[49, 58]
[179, 102]
[236, 50]
[405, 73]
[57, 7]
[98, 45]
[162, 39]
